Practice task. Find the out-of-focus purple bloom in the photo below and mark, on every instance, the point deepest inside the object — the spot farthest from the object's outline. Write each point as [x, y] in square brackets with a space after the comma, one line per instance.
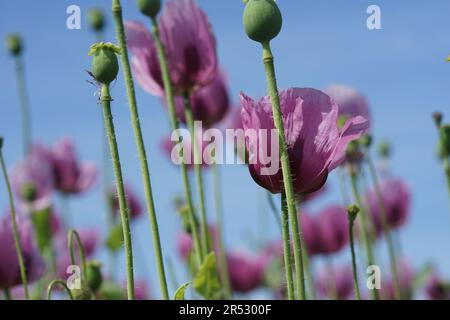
[405, 278]
[9, 264]
[246, 272]
[336, 283]
[133, 201]
[89, 239]
[332, 233]
[397, 200]
[209, 104]
[71, 176]
[350, 102]
[436, 288]
[184, 244]
[190, 47]
[141, 290]
[33, 180]
[315, 144]
[310, 231]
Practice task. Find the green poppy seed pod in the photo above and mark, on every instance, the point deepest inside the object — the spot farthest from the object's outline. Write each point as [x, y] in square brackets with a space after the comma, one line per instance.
[353, 211]
[262, 20]
[105, 65]
[14, 44]
[149, 8]
[94, 275]
[384, 149]
[97, 19]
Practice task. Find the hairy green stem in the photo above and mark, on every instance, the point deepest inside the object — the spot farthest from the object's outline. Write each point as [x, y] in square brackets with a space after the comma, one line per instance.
[285, 234]
[168, 89]
[223, 266]
[286, 169]
[145, 172]
[123, 207]
[385, 227]
[363, 227]
[55, 283]
[15, 229]
[74, 234]
[24, 106]
[197, 151]
[354, 267]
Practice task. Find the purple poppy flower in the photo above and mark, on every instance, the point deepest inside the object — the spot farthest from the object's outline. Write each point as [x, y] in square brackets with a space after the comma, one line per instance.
[71, 176]
[234, 122]
[310, 230]
[315, 143]
[333, 230]
[134, 203]
[246, 272]
[306, 198]
[436, 288]
[209, 104]
[33, 180]
[350, 102]
[397, 200]
[90, 240]
[405, 278]
[9, 264]
[190, 47]
[336, 283]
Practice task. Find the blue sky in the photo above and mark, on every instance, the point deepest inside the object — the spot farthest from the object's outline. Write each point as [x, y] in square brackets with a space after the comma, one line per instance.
[401, 69]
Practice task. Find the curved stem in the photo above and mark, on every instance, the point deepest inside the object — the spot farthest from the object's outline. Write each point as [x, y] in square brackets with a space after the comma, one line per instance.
[24, 106]
[175, 126]
[15, 229]
[196, 149]
[123, 207]
[385, 226]
[354, 267]
[287, 248]
[225, 277]
[70, 235]
[145, 172]
[363, 227]
[286, 169]
[55, 283]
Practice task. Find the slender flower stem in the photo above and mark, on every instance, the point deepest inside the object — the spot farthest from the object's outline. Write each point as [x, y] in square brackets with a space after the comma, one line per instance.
[15, 229]
[123, 207]
[224, 275]
[285, 234]
[385, 226]
[120, 32]
[363, 227]
[55, 283]
[196, 149]
[24, 106]
[70, 235]
[354, 267]
[7, 294]
[168, 89]
[286, 169]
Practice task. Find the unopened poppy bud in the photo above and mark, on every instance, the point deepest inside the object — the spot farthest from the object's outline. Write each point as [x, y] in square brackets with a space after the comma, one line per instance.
[437, 116]
[14, 44]
[97, 19]
[105, 65]
[384, 149]
[366, 141]
[82, 294]
[29, 192]
[445, 134]
[353, 211]
[262, 20]
[149, 8]
[94, 275]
